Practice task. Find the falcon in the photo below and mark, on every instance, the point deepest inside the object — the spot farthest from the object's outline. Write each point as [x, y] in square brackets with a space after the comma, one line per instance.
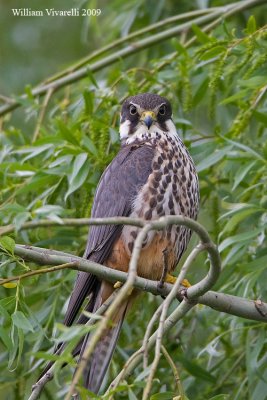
[152, 175]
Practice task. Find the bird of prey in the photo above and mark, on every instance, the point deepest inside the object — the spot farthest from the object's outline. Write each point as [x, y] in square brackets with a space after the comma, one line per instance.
[152, 175]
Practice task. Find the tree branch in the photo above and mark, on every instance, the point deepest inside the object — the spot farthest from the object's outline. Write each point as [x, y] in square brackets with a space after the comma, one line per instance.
[219, 301]
[108, 60]
[43, 223]
[255, 310]
[134, 35]
[176, 374]
[164, 309]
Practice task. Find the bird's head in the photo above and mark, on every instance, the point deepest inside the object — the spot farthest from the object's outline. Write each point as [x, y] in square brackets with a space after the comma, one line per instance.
[143, 115]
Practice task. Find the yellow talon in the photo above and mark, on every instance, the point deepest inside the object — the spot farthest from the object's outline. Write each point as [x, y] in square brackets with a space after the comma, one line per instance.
[170, 279]
[185, 283]
[117, 285]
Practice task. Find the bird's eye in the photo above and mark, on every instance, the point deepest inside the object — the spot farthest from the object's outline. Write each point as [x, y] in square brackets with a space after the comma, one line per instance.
[162, 110]
[133, 110]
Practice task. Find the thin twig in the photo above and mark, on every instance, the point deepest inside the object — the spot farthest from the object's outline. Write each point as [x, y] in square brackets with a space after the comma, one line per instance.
[166, 304]
[155, 316]
[176, 374]
[148, 332]
[43, 223]
[68, 265]
[175, 316]
[133, 35]
[42, 114]
[6, 99]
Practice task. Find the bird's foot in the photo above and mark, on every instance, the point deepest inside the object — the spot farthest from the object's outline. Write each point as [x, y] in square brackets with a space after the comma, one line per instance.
[172, 279]
[117, 285]
[186, 283]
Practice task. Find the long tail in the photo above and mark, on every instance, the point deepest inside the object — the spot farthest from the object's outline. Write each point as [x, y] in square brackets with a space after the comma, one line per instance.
[98, 364]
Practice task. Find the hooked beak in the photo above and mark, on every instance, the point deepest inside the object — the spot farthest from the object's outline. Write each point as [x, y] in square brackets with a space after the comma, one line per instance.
[148, 117]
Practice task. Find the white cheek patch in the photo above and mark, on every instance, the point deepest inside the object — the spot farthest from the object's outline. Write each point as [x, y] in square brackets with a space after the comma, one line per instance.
[124, 129]
[171, 128]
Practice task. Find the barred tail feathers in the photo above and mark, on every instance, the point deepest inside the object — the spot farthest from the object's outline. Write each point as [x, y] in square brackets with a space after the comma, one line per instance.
[99, 362]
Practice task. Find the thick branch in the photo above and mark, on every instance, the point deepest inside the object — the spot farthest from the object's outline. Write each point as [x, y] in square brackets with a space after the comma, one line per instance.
[218, 301]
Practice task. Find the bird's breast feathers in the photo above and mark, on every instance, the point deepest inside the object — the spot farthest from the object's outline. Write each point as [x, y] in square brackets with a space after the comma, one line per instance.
[171, 189]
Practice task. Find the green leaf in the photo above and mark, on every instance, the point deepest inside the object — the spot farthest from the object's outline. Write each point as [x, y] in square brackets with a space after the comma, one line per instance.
[254, 82]
[75, 331]
[213, 52]
[178, 46]
[220, 397]
[163, 396]
[67, 134]
[258, 263]
[46, 356]
[90, 146]
[77, 164]
[20, 345]
[241, 94]
[4, 312]
[241, 237]
[245, 148]
[251, 25]
[37, 182]
[7, 244]
[14, 348]
[196, 370]
[21, 321]
[201, 36]
[88, 96]
[239, 216]
[80, 170]
[241, 173]
[20, 218]
[5, 337]
[260, 116]
[212, 159]
[131, 395]
[201, 91]
[91, 77]
[28, 91]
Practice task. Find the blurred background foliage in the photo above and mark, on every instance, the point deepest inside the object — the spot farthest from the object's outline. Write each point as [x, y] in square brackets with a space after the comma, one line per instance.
[53, 150]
